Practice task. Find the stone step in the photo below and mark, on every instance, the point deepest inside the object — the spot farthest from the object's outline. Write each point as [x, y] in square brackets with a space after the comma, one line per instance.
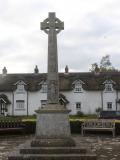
[52, 150]
[54, 157]
[62, 142]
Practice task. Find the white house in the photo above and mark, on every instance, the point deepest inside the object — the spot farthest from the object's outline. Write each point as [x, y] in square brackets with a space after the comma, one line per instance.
[22, 94]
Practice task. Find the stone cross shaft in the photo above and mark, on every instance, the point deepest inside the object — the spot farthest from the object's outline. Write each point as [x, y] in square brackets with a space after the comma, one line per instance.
[52, 26]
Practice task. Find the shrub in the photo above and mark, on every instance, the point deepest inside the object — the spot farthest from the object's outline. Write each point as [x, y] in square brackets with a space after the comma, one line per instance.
[80, 113]
[75, 126]
[30, 126]
[98, 110]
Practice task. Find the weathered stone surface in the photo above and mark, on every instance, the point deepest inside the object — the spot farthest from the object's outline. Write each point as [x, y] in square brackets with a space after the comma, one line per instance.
[52, 26]
[53, 150]
[53, 120]
[53, 108]
[52, 123]
[62, 142]
[28, 151]
[56, 157]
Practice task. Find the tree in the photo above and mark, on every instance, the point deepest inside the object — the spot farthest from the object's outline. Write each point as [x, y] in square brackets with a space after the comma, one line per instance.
[105, 65]
[94, 68]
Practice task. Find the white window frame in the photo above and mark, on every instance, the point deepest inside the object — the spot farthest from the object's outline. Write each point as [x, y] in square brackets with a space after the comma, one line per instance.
[20, 105]
[109, 106]
[108, 87]
[78, 106]
[44, 88]
[43, 103]
[20, 88]
[78, 88]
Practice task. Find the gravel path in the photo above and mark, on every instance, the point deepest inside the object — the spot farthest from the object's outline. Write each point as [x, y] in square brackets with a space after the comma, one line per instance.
[106, 147]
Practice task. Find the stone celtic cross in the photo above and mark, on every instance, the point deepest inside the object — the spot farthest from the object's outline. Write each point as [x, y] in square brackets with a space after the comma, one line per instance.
[52, 26]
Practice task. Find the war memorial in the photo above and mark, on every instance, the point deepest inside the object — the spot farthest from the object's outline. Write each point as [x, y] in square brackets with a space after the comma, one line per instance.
[53, 140]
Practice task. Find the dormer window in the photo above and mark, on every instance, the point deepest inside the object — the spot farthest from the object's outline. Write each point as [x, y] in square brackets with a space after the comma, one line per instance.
[108, 85]
[78, 88]
[43, 86]
[77, 85]
[20, 86]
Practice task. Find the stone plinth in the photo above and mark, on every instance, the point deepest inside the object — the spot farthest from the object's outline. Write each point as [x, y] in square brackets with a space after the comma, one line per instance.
[53, 127]
[53, 140]
[53, 122]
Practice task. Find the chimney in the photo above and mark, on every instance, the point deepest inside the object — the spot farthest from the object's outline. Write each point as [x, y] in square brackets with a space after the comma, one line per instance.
[66, 69]
[36, 70]
[4, 71]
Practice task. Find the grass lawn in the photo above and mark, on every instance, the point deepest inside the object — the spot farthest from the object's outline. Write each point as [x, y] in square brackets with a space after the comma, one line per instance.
[71, 117]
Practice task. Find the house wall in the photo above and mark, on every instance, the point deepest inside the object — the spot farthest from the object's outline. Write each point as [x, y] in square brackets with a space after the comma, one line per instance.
[118, 97]
[34, 101]
[73, 98]
[109, 97]
[20, 96]
[90, 100]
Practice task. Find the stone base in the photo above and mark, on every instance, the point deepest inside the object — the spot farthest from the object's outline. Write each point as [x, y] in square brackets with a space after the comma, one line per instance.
[65, 142]
[52, 140]
[28, 151]
[53, 122]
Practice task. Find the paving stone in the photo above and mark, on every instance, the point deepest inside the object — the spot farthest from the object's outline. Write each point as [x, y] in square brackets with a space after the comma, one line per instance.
[10, 142]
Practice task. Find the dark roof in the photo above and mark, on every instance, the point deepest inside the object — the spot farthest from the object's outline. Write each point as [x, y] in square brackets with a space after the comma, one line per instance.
[5, 99]
[63, 98]
[7, 83]
[93, 81]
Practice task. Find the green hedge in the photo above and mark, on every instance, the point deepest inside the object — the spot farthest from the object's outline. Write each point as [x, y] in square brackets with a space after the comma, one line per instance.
[74, 125]
[30, 126]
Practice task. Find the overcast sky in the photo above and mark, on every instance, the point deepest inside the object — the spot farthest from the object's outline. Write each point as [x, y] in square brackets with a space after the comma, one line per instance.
[92, 30]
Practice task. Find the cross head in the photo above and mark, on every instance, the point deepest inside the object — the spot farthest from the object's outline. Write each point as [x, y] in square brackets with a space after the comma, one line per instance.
[52, 24]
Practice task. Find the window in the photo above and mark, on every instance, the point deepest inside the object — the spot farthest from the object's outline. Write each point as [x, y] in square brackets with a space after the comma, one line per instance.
[78, 106]
[43, 103]
[44, 88]
[109, 105]
[20, 104]
[77, 88]
[109, 85]
[108, 88]
[77, 85]
[20, 88]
